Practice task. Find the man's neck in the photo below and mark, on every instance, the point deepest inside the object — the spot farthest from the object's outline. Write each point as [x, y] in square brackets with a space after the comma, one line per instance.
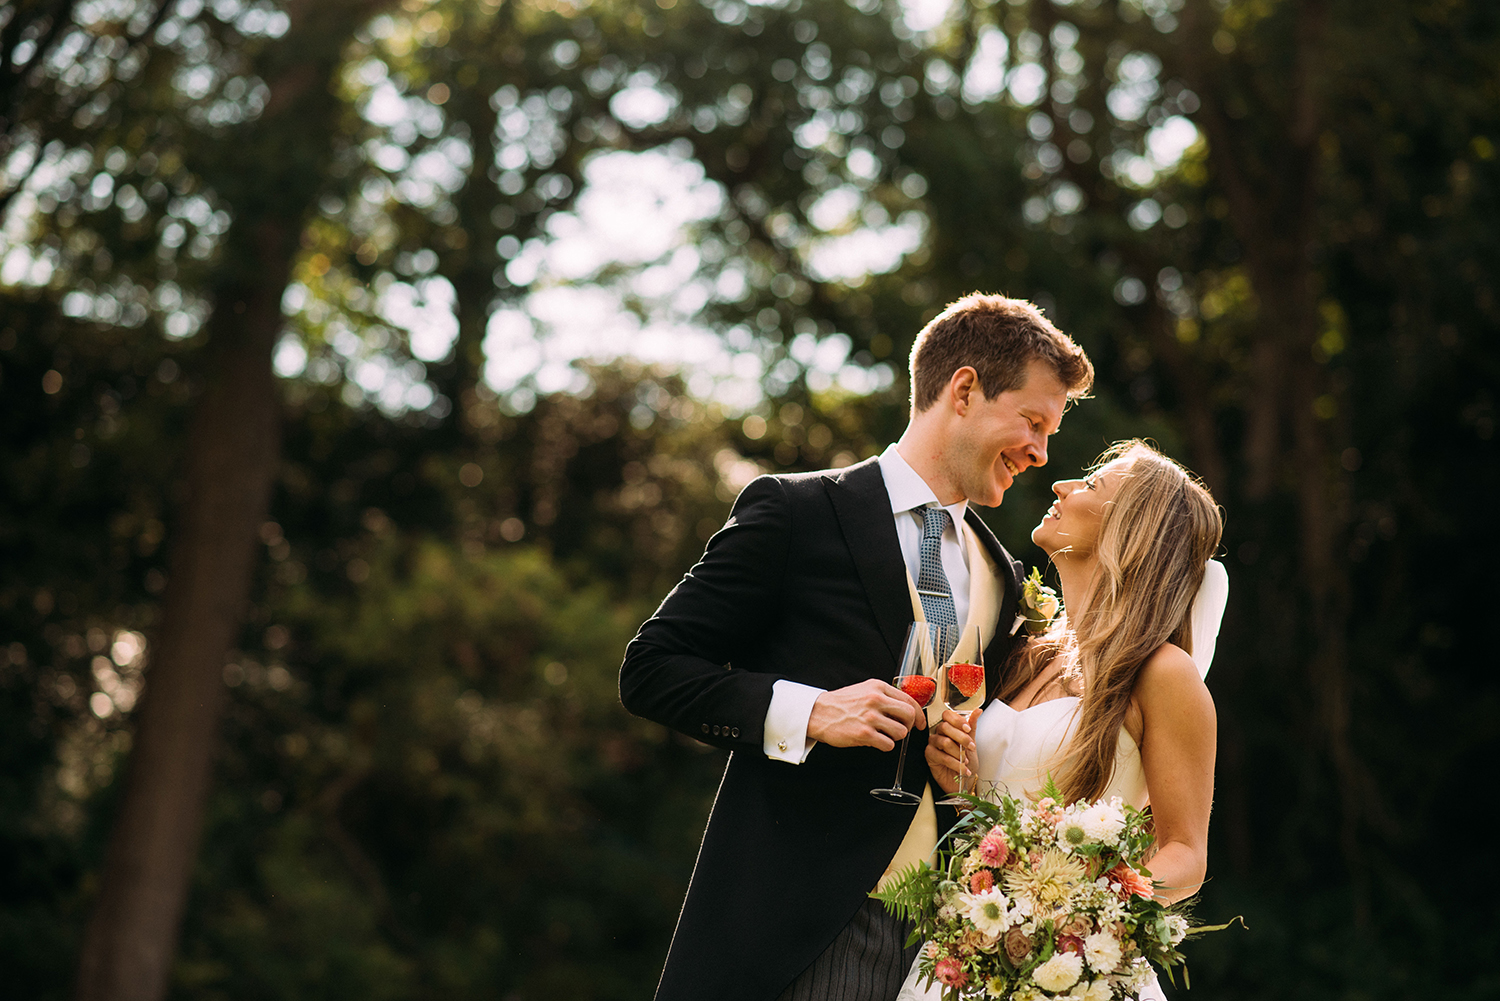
[924, 452]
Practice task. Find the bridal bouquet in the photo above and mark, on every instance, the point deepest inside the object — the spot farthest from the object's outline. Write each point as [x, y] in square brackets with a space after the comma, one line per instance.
[1041, 901]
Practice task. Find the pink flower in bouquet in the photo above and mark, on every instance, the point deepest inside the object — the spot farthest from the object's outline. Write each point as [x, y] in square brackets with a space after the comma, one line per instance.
[981, 881]
[1131, 882]
[1070, 943]
[932, 950]
[1047, 808]
[1078, 924]
[949, 971]
[1017, 945]
[993, 849]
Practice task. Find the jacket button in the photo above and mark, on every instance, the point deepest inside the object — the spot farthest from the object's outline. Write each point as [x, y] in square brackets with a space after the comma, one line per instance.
[705, 727]
[716, 731]
[735, 732]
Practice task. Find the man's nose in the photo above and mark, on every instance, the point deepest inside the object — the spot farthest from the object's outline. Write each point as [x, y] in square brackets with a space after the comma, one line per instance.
[1038, 450]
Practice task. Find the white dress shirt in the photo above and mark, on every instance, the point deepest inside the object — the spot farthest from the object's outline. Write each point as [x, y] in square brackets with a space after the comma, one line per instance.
[786, 736]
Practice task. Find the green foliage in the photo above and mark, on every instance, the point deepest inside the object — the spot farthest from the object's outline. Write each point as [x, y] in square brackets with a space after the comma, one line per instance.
[412, 797]
[908, 896]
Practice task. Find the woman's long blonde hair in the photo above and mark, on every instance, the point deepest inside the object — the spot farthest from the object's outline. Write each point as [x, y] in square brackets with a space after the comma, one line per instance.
[1155, 538]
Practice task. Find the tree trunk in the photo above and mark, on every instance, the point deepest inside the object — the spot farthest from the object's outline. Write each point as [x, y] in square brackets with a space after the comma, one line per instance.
[233, 449]
[273, 172]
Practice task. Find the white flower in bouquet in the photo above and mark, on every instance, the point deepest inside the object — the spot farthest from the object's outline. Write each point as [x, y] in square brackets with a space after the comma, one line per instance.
[1099, 990]
[1112, 912]
[1102, 950]
[1103, 822]
[1020, 914]
[1071, 833]
[1135, 975]
[1059, 973]
[990, 911]
[1177, 927]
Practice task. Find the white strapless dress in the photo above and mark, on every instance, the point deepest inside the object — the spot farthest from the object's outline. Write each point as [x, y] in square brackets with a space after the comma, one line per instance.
[1017, 751]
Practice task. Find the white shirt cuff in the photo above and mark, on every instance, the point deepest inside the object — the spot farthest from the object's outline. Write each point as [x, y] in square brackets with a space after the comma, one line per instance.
[786, 736]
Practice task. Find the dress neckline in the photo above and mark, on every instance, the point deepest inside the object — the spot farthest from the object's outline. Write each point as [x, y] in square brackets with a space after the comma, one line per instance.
[1061, 698]
[1036, 705]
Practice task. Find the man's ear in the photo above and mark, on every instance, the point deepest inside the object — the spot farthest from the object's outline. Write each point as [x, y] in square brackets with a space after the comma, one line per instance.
[962, 386]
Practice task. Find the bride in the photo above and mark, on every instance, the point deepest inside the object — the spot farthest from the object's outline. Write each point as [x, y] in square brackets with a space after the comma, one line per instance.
[1110, 700]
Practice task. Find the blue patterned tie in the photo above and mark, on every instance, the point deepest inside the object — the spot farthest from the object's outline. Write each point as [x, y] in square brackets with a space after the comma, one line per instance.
[932, 582]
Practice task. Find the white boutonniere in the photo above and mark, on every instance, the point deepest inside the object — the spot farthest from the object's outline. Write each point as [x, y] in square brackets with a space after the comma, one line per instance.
[1039, 603]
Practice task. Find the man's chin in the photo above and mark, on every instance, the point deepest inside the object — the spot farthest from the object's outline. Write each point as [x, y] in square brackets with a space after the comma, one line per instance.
[992, 499]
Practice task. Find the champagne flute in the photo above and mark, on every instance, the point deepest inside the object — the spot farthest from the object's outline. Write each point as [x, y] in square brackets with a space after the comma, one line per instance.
[962, 689]
[914, 676]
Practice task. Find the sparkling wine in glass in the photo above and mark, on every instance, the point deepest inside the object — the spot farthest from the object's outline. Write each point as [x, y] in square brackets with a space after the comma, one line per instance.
[915, 677]
[961, 687]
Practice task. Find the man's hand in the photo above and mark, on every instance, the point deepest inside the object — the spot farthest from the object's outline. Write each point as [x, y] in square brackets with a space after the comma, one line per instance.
[869, 714]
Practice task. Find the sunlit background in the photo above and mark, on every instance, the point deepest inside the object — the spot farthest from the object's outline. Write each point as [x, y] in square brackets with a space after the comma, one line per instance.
[544, 283]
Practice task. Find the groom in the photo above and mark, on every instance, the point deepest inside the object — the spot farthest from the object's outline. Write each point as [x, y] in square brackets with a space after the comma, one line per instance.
[780, 643]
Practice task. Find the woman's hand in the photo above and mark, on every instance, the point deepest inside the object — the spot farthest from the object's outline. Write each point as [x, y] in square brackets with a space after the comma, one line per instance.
[951, 747]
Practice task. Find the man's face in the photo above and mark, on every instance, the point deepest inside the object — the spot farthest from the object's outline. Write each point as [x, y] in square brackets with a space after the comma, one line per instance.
[994, 440]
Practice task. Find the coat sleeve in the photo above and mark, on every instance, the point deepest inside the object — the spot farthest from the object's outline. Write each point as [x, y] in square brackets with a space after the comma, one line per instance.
[678, 670]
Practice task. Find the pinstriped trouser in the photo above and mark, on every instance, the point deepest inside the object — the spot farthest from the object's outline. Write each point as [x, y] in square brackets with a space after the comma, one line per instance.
[867, 961]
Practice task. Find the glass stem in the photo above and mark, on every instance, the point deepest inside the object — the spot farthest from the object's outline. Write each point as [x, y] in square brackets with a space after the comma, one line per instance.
[900, 765]
[963, 762]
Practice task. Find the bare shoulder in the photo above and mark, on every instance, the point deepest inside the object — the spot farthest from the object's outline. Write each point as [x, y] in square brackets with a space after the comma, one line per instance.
[1170, 684]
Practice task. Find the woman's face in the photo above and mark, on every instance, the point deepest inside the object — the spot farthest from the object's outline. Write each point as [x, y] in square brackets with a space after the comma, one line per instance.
[1071, 524]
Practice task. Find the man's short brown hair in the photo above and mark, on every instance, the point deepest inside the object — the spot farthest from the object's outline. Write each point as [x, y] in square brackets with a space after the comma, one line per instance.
[999, 338]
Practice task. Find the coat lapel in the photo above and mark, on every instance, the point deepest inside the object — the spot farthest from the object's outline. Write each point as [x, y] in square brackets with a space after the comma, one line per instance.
[863, 508]
[1008, 570]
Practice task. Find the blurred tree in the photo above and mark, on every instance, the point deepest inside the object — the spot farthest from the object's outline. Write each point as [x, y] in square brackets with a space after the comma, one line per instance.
[230, 460]
[1270, 224]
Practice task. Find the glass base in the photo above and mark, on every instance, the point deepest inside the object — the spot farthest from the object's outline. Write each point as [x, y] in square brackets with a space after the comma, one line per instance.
[898, 796]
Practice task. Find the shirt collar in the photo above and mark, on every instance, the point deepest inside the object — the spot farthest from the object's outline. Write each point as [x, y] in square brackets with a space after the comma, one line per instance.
[909, 491]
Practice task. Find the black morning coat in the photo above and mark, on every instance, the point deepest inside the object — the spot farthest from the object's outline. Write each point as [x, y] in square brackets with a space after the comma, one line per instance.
[804, 582]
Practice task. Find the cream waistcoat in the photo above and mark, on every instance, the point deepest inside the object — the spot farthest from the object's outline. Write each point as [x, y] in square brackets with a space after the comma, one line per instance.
[984, 610]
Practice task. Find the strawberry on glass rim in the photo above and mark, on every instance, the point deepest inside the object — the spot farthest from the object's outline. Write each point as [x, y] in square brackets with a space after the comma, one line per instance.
[919, 687]
[967, 678]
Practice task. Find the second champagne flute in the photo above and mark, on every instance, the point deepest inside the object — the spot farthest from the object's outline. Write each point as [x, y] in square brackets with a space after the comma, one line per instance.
[961, 687]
